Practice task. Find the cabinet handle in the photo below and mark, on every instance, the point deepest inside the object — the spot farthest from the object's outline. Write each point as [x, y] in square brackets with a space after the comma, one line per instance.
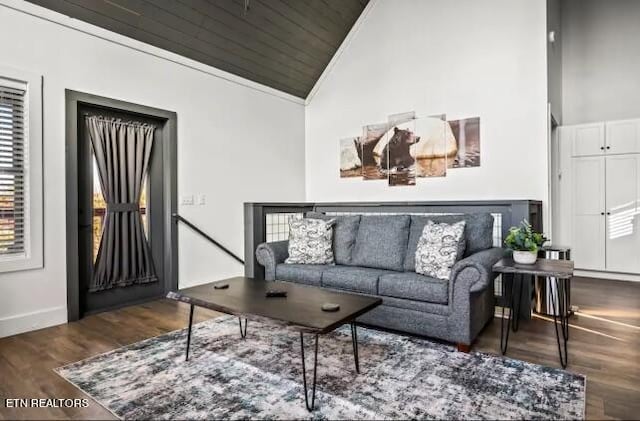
[608, 213]
[608, 147]
[602, 148]
[602, 213]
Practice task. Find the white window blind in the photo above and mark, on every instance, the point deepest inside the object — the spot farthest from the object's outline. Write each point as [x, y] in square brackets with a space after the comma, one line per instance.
[13, 169]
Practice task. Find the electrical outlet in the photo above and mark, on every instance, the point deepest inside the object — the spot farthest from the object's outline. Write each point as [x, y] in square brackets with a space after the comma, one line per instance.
[201, 199]
[186, 200]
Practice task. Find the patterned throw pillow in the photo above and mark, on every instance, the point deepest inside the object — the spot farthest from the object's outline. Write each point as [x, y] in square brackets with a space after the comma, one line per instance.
[310, 241]
[439, 248]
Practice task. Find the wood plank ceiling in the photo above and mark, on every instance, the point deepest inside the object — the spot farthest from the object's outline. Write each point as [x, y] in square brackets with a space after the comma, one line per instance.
[284, 44]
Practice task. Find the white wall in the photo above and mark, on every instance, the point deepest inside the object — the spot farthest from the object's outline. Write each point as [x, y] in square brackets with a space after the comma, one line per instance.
[465, 58]
[600, 60]
[237, 141]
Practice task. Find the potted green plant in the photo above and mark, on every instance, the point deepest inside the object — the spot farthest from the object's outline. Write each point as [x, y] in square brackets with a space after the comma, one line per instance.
[525, 243]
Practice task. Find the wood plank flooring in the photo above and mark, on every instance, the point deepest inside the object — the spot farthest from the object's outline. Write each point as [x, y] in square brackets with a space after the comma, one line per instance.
[604, 345]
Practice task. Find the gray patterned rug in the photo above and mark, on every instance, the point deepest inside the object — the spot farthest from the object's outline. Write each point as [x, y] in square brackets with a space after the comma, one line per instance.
[260, 377]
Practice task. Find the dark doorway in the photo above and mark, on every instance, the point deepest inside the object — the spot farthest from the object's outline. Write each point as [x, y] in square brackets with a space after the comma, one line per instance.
[86, 207]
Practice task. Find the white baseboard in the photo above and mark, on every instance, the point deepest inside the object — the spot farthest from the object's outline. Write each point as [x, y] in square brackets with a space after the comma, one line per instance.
[27, 322]
[607, 275]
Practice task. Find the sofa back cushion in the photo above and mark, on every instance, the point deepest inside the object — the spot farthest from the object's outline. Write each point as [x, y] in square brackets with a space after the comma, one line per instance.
[344, 235]
[381, 242]
[478, 233]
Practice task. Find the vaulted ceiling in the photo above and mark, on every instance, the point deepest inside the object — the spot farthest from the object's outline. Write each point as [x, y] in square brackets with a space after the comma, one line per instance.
[284, 44]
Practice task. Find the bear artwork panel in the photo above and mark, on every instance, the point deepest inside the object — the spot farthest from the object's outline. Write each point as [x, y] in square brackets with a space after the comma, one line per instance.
[436, 145]
[372, 168]
[402, 170]
[350, 157]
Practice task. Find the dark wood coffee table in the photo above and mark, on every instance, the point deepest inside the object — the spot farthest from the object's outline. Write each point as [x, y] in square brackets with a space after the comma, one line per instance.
[300, 309]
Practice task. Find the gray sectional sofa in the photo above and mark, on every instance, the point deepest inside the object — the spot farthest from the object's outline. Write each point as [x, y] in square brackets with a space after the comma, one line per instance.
[375, 255]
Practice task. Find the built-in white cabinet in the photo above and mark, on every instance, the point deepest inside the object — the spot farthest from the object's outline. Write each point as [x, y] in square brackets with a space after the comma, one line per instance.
[609, 138]
[588, 216]
[598, 178]
[623, 220]
[586, 139]
[623, 137]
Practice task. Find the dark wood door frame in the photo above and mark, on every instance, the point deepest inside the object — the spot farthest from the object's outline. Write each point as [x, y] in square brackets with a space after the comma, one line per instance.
[169, 186]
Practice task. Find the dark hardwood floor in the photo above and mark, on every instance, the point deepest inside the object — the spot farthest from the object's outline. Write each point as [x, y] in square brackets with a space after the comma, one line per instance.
[604, 345]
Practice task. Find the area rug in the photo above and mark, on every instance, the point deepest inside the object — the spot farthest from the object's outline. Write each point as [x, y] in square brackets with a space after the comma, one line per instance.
[260, 377]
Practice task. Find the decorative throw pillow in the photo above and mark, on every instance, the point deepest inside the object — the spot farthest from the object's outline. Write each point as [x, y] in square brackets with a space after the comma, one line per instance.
[439, 248]
[344, 235]
[310, 241]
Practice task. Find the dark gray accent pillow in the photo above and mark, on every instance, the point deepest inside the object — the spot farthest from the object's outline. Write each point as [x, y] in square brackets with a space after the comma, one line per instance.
[478, 233]
[344, 235]
[381, 242]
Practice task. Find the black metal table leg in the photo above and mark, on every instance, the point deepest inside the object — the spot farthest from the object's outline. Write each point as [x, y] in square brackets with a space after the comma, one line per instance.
[558, 312]
[189, 332]
[354, 340]
[243, 334]
[518, 304]
[504, 339]
[567, 303]
[304, 374]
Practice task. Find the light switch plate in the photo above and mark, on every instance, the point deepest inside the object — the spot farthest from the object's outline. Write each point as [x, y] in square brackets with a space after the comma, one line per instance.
[201, 199]
[186, 200]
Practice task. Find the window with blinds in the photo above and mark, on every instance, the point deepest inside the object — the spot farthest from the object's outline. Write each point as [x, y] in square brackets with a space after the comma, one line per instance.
[13, 173]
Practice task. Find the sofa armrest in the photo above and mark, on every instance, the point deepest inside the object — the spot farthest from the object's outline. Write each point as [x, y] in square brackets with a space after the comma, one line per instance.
[476, 270]
[270, 255]
[470, 299]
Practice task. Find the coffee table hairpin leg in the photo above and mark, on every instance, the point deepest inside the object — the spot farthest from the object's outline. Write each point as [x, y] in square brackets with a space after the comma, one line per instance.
[304, 374]
[354, 340]
[243, 334]
[189, 331]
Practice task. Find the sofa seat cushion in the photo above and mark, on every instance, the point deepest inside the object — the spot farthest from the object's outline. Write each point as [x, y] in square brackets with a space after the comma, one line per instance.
[344, 235]
[381, 242]
[478, 233]
[412, 286]
[301, 273]
[351, 278]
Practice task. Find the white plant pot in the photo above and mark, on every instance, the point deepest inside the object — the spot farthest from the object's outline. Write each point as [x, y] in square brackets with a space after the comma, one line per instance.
[525, 257]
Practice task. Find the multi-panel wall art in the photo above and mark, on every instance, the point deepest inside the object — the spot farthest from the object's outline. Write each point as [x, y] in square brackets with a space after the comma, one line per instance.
[467, 135]
[406, 147]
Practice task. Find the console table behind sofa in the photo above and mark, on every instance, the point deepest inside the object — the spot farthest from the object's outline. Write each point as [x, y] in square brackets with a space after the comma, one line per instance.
[267, 222]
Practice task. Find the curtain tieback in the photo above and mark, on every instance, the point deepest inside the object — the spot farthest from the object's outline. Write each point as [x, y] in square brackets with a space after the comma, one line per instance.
[123, 207]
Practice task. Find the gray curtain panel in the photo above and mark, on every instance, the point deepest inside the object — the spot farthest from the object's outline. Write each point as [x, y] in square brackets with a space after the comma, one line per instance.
[122, 152]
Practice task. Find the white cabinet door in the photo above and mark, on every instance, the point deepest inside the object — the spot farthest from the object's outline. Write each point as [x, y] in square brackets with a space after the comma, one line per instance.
[588, 225]
[588, 139]
[623, 194]
[623, 137]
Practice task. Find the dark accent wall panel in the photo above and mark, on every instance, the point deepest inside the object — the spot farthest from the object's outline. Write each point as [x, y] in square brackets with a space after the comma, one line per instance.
[283, 44]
